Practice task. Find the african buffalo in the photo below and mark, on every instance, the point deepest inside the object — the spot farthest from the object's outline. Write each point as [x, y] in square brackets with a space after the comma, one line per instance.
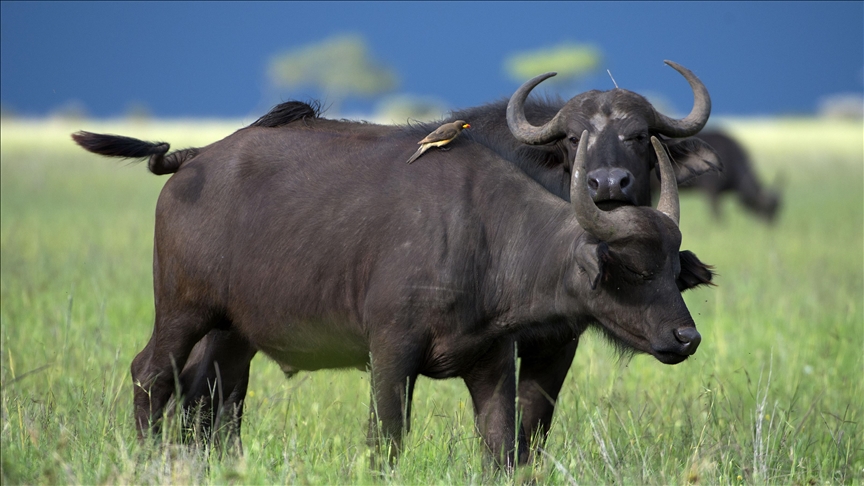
[545, 361]
[314, 243]
[738, 177]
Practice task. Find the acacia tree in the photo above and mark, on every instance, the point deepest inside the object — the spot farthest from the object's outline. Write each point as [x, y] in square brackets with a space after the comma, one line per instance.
[571, 61]
[339, 67]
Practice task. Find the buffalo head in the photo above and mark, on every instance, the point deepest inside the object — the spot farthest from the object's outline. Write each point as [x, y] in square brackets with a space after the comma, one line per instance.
[630, 258]
[619, 125]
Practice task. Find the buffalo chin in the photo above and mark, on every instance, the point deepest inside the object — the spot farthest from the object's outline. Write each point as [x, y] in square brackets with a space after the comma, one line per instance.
[669, 358]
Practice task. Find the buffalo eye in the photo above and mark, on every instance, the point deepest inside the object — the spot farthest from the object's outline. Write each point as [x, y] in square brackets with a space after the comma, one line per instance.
[574, 140]
[639, 138]
[644, 275]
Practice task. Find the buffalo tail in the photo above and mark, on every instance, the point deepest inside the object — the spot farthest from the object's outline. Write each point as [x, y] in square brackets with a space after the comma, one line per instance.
[132, 148]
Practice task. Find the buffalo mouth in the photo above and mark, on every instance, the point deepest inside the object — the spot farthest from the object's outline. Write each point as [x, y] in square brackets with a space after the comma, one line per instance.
[610, 204]
[669, 358]
[671, 346]
[685, 344]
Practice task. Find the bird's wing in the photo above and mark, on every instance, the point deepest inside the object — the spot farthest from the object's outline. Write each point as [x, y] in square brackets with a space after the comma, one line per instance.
[444, 132]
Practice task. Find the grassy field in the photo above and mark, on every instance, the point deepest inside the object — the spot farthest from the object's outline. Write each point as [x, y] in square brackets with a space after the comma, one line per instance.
[774, 395]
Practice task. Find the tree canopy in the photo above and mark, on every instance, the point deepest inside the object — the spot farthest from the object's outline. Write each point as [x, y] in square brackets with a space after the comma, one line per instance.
[571, 61]
[340, 67]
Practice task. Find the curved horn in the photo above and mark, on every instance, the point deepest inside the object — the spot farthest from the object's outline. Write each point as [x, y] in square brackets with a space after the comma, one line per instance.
[668, 203]
[591, 218]
[698, 117]
[519, 126]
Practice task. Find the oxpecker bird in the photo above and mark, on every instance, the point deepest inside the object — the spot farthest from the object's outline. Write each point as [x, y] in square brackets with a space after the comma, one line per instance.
[440, 137]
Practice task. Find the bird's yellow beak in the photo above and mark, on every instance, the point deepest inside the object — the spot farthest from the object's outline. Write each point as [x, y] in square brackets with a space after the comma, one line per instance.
[465, 125]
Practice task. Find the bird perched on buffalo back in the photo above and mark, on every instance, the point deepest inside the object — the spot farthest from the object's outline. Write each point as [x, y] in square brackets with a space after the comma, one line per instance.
[440, 137]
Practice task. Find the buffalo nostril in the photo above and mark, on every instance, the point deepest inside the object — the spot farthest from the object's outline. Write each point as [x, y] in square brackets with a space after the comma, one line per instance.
[689, 337]
[593, 183]
[686, 334]
[619, 180]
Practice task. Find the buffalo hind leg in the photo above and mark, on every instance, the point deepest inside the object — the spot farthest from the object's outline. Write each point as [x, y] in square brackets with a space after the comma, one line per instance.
[154, 369]
[393, 380]
[214, 384]
[716, 205]
[540, 381]
[492, 385]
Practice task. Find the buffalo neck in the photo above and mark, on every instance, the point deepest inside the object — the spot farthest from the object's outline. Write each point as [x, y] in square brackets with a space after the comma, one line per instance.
[543, 163]
[530, 244]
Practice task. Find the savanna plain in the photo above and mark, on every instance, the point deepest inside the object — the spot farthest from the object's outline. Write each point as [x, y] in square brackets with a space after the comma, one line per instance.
[774, 395]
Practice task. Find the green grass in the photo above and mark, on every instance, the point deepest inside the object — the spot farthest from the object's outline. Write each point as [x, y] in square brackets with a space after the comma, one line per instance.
[774, 394]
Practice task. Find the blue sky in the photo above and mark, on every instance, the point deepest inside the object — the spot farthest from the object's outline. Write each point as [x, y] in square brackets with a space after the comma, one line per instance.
[208, 59]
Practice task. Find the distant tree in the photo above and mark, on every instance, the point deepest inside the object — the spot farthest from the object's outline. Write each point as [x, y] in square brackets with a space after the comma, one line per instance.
[339, 67]
[7, 112]
[71, 110]
[138, 111]
[841, 105]
[401, 109]
[571, 61]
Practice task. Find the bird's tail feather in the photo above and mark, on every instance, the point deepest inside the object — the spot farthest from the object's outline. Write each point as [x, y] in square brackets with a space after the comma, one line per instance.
[417, 154]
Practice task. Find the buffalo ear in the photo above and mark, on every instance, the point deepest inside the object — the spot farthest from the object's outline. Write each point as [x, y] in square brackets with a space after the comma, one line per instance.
[591, 258]
[693, 272]
[692, 157]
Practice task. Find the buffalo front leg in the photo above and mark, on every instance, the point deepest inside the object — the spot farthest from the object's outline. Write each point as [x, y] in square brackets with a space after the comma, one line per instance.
[393, 380]
[214, 384]
[540, 381]
[155, 368]
[492, 385]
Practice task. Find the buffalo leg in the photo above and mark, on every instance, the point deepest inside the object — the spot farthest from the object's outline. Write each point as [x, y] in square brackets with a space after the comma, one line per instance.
[393, 380]
[716, 205]
[492, 385]
[154, 369]
[214, 385]
[540, 381]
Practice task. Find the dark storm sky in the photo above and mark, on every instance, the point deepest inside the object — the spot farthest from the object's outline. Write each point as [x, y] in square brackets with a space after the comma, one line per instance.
[209, 59]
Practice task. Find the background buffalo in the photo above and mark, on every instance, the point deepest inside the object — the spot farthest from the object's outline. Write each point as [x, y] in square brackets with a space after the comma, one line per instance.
[739, 177]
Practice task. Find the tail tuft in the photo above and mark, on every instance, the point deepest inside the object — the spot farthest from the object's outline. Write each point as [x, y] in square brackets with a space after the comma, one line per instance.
[119, 146]
[132, 148]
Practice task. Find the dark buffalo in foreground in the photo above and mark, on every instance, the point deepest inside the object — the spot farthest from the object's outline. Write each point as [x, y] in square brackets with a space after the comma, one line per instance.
[738, 177]
[620, 147]
[317, 245]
